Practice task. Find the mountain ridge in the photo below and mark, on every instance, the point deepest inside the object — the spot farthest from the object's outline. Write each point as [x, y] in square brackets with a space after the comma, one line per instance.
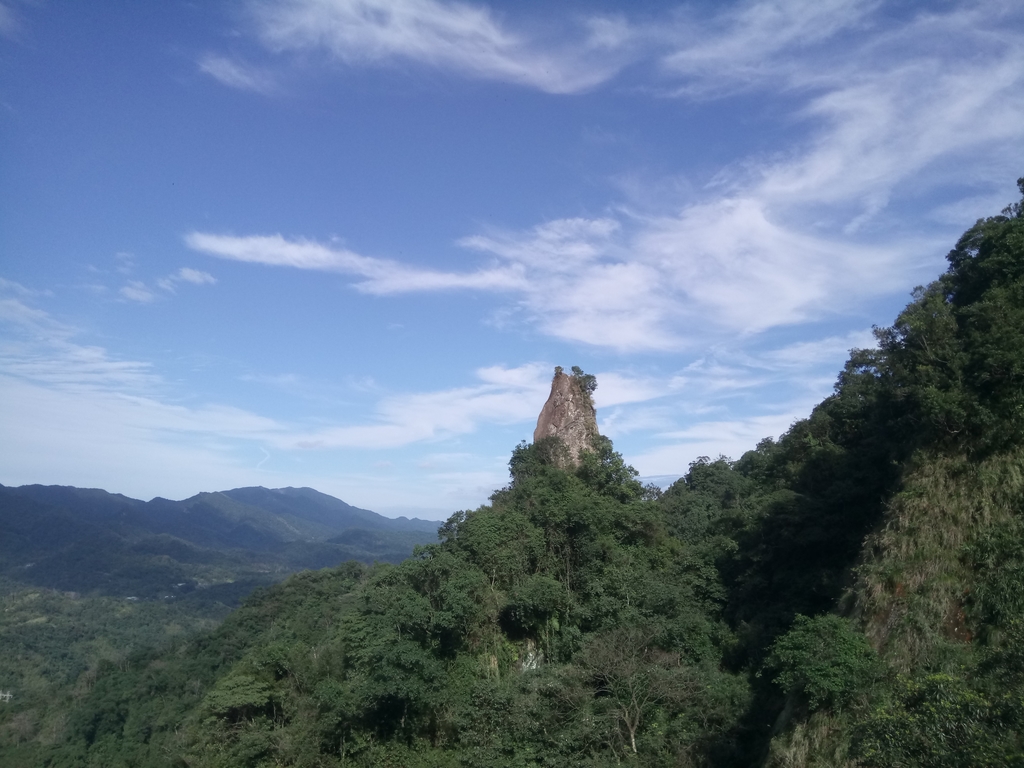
[90, 540]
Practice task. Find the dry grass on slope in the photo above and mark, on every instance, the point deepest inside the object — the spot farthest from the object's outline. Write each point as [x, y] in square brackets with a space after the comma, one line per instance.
[912, 584]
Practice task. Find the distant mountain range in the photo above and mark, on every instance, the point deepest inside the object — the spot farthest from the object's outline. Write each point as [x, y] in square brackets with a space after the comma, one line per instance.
[212, 545]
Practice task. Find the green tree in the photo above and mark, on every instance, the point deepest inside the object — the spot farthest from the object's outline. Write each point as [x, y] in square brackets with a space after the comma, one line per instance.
[823, 660]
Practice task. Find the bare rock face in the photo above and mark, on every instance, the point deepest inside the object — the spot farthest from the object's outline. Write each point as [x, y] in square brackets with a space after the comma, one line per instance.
[569, 415]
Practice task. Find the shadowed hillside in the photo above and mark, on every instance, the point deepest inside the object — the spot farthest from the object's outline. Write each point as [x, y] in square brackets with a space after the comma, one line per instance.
[88, 540]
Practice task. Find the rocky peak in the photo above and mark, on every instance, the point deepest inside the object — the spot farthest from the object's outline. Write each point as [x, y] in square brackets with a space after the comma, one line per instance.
[569, 413]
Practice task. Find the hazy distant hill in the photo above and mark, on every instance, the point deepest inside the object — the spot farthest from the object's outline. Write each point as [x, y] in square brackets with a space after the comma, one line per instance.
[320, 509]
[89, 540]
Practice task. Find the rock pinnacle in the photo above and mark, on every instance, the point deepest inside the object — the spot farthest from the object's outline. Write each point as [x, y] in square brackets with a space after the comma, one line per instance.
[569, 414]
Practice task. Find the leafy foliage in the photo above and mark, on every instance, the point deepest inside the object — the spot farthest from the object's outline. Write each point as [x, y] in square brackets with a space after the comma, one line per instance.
[942, 720]
[824, 660]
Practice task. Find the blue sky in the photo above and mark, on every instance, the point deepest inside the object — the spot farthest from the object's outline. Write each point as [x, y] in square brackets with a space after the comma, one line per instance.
[342, 243]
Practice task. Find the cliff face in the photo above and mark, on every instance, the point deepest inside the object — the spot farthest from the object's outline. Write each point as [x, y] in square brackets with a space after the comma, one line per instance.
[568, 415]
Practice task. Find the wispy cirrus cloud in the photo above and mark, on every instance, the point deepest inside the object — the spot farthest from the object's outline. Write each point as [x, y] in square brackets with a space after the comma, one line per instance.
[735, 266]
[662, 285]
[58, 394]
[469, 39]
[39, 348]
[686, 49]
[136, 290]
[12, 287]
[696, 411]
[186, 275]
[889, 112]
[237, 74]
[725, 437]
[501, 396]
[41, 353]
[744, 45]
[381, 276]
[584, 283]
[889, 102]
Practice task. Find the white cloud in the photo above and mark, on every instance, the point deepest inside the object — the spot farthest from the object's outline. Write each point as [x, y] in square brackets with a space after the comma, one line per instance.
[734, 264]
[802, 354]
[645, 420]
[28, 319]
[743, 45]
[617, 389]
[38, 348]
[98, 439]
[731, 438]
[196, 277]
[726, 406]
[782, 241]
[11, 286]
[887, 127]
[886, 99]
[504, 396]
[43, 354]
[747, 43]
[581, 284]
[523, 378]
[970, 208]
[668, 283]
[136, 290]
[186, 275]
[383, 276]
[724, 402]
[460, 37]
[672, 282]
[236, 74]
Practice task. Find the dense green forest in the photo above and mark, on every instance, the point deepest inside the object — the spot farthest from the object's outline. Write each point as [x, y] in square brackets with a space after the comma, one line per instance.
[849, 595]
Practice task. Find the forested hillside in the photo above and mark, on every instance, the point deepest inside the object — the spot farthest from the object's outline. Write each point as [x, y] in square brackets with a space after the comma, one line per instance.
[212, 547]
[851, 594]
[87, 578]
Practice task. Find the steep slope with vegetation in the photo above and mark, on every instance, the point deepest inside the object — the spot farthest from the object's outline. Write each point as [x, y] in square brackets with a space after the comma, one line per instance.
[938, 590]
[851, 594]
